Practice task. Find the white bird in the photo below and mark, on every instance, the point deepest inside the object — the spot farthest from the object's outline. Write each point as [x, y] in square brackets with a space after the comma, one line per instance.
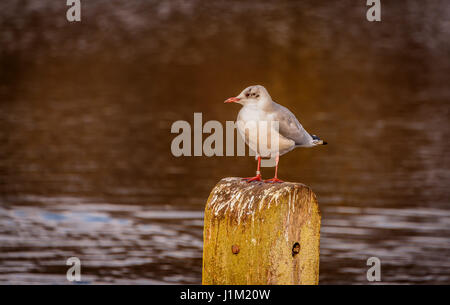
[258, 107]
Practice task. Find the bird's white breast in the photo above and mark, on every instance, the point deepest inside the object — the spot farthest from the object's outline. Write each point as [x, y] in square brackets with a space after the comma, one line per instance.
[260, 132]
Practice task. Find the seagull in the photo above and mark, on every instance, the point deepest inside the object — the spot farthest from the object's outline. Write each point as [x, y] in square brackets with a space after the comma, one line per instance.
[258, 107]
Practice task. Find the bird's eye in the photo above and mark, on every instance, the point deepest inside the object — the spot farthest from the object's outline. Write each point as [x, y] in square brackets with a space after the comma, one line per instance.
[257, 95]
[247, 94]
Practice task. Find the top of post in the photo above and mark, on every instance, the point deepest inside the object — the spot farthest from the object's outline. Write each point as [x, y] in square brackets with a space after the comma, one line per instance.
[240, 200]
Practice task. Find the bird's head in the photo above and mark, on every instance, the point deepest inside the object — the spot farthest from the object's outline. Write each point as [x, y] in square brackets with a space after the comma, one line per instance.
[253, 95]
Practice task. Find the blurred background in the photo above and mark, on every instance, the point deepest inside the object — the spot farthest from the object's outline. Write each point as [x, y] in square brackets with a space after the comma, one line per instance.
[86, 109]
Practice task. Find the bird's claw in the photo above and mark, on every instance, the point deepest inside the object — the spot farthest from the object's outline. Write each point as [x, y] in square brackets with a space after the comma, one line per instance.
[273, 180]
[250, 179]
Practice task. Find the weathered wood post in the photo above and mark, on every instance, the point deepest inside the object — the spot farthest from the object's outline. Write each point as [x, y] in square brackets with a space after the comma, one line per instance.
[261, 233]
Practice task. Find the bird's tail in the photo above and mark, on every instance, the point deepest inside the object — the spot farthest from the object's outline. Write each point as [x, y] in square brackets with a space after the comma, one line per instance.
[318, 141]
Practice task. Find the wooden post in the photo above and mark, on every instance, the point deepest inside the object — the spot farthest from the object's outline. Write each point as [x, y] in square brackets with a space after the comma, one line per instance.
[261, 233]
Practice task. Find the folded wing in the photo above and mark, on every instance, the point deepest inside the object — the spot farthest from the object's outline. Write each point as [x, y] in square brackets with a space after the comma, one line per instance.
[290, 127]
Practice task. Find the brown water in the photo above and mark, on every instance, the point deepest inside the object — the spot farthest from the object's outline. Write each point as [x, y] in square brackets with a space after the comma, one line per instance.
[85, 113]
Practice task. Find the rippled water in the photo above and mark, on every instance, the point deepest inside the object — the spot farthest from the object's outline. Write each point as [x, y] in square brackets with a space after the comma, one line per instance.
[86, 109]
[115, 243]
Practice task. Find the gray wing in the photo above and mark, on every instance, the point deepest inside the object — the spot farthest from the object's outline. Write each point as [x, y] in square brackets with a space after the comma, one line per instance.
[290, 127]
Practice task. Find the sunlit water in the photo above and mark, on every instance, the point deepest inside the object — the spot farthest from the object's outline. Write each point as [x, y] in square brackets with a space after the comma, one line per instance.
[85, 113]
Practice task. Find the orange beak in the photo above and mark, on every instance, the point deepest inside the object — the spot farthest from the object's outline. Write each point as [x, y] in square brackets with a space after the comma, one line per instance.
[232, 100]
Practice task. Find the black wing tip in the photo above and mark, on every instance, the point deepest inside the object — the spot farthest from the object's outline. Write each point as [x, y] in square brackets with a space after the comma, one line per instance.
[318, 139]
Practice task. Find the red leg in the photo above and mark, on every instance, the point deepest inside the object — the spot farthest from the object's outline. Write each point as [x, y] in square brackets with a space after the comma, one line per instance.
[258, 173]
[275, 179]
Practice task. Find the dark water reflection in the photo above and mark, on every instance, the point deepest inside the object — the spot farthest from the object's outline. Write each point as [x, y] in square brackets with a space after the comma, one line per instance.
[86, 109]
